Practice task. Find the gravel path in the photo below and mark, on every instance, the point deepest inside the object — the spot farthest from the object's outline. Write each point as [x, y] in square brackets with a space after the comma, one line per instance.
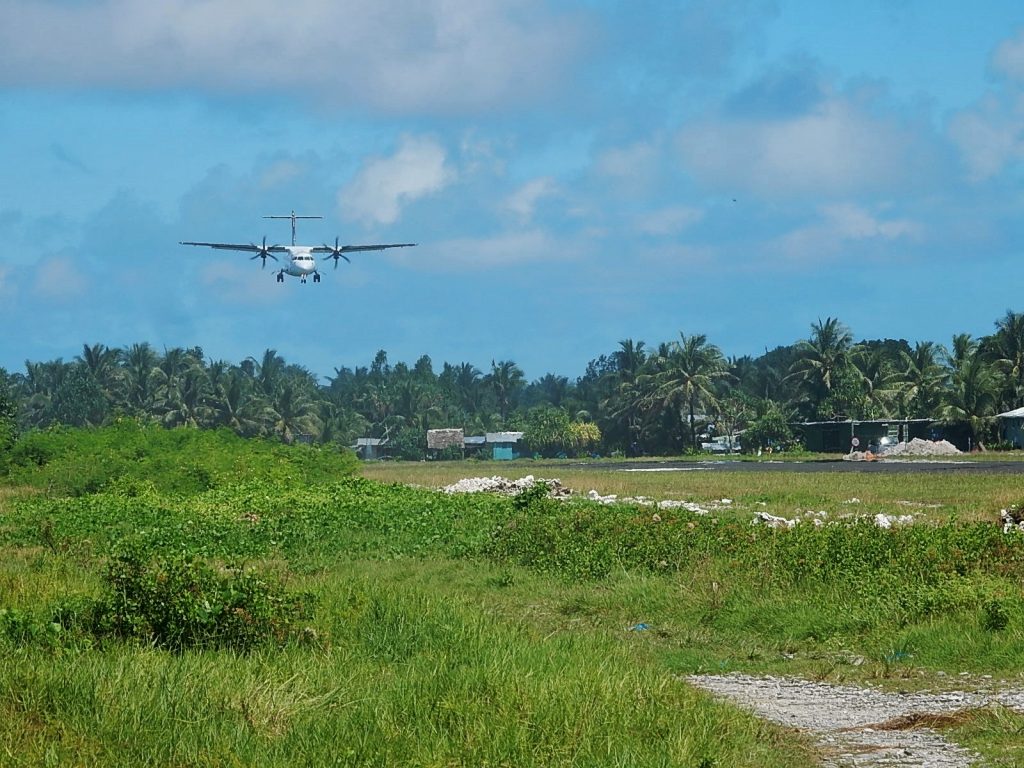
[860, 727]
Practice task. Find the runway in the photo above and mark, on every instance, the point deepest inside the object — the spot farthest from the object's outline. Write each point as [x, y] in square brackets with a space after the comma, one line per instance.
[891, 466]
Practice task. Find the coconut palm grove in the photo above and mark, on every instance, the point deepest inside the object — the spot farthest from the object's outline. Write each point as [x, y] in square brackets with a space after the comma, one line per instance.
[656, 399]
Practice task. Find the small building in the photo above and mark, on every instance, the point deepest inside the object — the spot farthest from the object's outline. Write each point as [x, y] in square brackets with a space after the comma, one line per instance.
[369, 448]
[1011, 427]
[504, 445]
[847, 435]
[440, 440]
[474, 445]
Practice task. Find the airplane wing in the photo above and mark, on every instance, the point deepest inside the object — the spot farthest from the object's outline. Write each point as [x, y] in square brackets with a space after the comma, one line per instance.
[351, 248]
[250, 247]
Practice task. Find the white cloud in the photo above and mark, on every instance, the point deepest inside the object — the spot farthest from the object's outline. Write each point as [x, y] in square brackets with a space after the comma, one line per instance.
[394, 55]
[280, 172]
[668, 221]
[990, 134]
[241, 284]
[418, 168]
[524, 200]
[842, 224]
[59, 278]
[837, 147]
[635, 161]
[510, 248]
[1008, 59]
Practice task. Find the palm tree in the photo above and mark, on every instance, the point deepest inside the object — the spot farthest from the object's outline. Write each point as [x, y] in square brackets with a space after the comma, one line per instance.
[877, 379]
[824, 359]
[688, 376]
[341, 425]
[235, 406]
[267, 372]
[293, 412]
[414, 403]
[972, 395]
[919, 383]
[188, 402]
[139, 363]
[506, 379]
[101, 363]
[625, 403]
[629, 359]
[551, 390]
[41, 387]
[467, 384]
[1006, 350]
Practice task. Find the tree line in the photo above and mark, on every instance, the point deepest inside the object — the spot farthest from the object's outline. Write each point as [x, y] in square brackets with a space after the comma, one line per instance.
[663, 399]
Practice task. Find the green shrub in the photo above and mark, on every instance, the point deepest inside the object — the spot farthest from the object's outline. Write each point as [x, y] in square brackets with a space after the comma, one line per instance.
[27, 627]
[994, 616]
[180, 602]
[77, 462]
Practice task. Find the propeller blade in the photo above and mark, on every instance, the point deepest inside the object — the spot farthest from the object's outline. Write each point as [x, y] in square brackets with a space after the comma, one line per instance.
[335, 252]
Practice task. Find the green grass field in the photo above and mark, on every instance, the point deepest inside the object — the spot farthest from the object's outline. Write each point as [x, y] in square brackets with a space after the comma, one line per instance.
[469, 630]
[969, 496]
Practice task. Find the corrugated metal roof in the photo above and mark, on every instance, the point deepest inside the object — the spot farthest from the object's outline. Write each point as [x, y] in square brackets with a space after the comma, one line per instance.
[848, 422]
[1016, 413]
[504, 437]
[475, 440]
[370, 441]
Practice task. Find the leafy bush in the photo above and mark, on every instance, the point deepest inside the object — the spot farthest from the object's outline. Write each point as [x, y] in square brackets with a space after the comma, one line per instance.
[994, 616]
[584, 541]
[25, 626]
[180, 602]
[408, 444]
[75, 462]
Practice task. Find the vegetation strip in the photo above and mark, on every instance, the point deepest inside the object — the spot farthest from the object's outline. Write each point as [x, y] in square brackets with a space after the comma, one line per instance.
[677, 396]
[300, 607]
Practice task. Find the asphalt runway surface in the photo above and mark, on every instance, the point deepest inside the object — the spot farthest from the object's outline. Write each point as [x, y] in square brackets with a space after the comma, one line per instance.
[891, 466]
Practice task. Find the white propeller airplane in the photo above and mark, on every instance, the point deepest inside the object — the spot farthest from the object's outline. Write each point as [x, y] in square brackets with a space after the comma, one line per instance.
[301, 261]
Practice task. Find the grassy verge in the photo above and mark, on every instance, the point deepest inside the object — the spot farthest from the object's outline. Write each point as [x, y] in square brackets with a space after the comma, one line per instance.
[967, 495]
[479, 630]
[408, 668]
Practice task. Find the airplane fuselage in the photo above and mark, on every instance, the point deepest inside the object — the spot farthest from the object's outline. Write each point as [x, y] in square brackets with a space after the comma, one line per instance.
[301, 261]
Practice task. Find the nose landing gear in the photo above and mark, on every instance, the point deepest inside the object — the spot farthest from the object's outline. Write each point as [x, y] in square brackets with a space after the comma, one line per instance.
[280, 276]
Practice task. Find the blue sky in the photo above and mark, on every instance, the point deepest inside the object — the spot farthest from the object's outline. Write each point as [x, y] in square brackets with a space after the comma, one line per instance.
[576, 172]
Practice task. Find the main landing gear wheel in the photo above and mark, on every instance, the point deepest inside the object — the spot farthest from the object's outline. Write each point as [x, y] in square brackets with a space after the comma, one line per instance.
[280, 277]
[316, 277]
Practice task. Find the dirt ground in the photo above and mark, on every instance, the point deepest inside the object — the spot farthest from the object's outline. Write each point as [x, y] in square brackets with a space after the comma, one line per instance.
[860, 727]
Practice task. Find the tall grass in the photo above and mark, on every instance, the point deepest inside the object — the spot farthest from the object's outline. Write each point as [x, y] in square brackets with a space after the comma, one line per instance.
[474, 630]
[967, 494]
[402, 676]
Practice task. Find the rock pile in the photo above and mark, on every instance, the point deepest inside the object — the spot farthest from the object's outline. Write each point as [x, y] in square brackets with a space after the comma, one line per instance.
[504, 486]
[643, 501]
[919, 447]
[817, 519]
[916, 447]
[1013, 519]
